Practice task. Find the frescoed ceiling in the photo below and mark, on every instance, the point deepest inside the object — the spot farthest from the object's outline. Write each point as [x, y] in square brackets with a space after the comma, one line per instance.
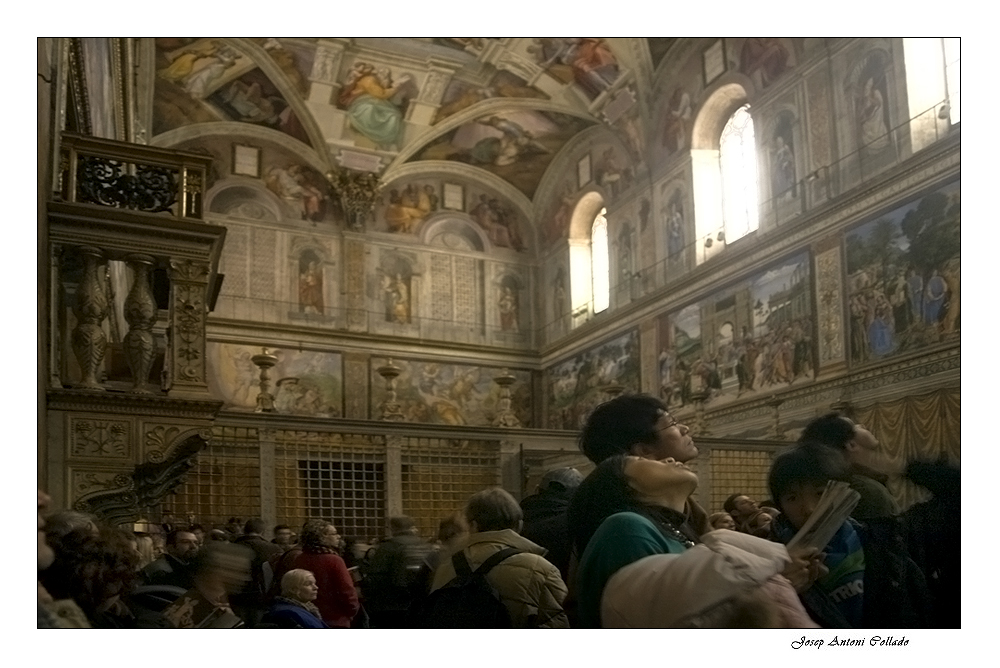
[503, 106]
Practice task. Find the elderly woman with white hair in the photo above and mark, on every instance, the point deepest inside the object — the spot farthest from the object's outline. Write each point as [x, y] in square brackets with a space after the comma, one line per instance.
[295, 609]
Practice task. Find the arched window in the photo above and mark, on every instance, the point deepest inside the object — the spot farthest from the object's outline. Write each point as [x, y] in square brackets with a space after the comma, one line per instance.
[738, 169]
[600, 266]
[933, 69]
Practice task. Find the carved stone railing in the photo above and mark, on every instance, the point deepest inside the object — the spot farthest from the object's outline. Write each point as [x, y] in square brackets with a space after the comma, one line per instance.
[131, 176]
[140, 206]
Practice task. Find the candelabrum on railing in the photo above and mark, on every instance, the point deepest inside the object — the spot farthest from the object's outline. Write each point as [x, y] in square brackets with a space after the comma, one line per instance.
[776, 431]
[505, 416]
[358, 192]
[391, 410]
[264, 361]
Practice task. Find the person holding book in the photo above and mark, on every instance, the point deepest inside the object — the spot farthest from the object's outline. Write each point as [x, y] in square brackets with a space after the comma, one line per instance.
[868, 579]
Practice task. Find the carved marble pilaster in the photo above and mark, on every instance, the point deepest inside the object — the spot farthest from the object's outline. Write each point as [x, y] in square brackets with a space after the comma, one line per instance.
[188, 316]
[829, 307]
[140, 313]
[354, 282]
[91, 308]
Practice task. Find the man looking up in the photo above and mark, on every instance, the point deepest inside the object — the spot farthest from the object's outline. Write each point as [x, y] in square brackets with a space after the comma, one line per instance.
[864, 459]
[640, 425]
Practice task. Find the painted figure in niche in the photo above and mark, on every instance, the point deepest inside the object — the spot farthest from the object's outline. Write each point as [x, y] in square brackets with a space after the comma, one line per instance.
[396, 297]
[563, 213]
[874, 132]
[497, 221]
[783, 168]
[626, 261]
[408, 209]
[675, 226]
[294, 184]
[200, 84]
[508, 306]
[763, 59]
[611, 174]
[505, 150]
[595, 68]
[374, 104]
[645, 208]
[675, 125]
[310, 284]
[559, 293]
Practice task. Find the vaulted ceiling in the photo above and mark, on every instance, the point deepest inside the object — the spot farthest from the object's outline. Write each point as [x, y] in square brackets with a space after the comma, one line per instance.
[501, 109]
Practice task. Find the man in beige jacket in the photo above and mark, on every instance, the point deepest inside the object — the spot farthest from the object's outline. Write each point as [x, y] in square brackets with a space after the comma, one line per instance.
[529, 586]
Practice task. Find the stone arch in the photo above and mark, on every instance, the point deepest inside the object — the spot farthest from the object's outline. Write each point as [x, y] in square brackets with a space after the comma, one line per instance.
[243, 198]
[454, 231]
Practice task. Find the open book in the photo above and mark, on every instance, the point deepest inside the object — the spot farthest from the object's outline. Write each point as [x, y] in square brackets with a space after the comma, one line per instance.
[834, 508]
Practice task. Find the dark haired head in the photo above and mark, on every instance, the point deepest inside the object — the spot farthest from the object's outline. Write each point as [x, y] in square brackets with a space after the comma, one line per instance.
[91, 567]
[616, 425]
[401, 524]
[832, 429]
[254, 525]
[806, 463]
[493, 509]
[730, 504]
[450, 527]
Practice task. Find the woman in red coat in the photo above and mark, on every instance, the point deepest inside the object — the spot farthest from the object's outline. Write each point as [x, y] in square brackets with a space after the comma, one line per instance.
[337, 600]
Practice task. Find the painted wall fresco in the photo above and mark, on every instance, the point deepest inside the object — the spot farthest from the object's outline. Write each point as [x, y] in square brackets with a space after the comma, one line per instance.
[206, 80]
[405, 205]
[441, 393]
[576, 386]
[763, 60]
[585, 61]
[515, 145]
[904, 277]
[302, 382]
[304, 194]
[751, 338]
[461, 95]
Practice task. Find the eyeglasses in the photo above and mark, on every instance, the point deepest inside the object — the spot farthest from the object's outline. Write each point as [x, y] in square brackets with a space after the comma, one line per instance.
[672, 422]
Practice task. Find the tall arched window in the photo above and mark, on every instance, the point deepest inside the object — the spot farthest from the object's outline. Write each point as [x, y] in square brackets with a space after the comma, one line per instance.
[738, 168]
[932, 87]
[600, 266]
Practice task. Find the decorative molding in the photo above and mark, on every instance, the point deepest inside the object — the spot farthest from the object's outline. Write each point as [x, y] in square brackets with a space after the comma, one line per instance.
[829, 306]
[92, 437]
[70, 400]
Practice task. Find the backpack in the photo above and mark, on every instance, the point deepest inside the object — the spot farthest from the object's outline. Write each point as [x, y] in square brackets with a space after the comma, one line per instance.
[468, 601]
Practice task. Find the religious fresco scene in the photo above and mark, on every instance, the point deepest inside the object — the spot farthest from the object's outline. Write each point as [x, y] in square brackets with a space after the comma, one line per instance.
[302, 192]
[207, 80]
[302, 382]
[455, 394]
[515, 145]
[461, 95]
[405, 205]
[376, 98]
[763, 60]
[584, 61]
[577, 385]
[904, 276]
[749, 339]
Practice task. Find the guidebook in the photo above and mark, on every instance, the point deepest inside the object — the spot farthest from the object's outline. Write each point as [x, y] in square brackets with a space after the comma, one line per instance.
[835, 506]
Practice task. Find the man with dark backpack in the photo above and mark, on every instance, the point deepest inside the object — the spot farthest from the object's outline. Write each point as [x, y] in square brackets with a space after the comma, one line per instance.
[494, 571]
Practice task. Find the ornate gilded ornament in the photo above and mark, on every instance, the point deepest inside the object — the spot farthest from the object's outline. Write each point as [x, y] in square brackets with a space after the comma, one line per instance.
[358, 192]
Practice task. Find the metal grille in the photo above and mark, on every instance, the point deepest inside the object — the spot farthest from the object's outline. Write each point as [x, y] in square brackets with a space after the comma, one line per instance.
[336, 477]
[738, 471]
[439, 476]
[224, 483]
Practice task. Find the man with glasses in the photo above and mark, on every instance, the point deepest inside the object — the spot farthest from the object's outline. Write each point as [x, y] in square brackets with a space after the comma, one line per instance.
[640, 425]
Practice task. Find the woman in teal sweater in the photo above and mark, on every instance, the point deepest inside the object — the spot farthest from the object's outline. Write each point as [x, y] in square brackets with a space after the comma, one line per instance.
[627, 509]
